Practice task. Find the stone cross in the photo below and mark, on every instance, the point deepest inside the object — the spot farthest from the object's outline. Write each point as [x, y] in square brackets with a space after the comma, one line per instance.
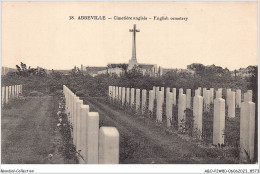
[134, 30]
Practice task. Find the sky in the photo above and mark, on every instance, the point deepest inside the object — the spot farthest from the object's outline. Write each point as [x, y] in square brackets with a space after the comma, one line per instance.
[41, 34]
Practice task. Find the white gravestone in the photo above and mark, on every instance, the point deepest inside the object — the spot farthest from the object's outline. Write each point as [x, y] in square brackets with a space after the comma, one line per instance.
[127, 96]
[157, 91]
[78, 124]
[174, 96]
[13, 92]
[238, 98]
[180, 91]
[197, 113]
[144, 101]
[154, 88]
[247, 131]
[92, 133]
[119, 94]
[3, 96]
[231, 105]
[219, 121]
[162, 89]
[169, 108]
[228, 91]
[123, 96]
[110, 92]
[151, 100]
[137, 101]
[188, 98]
[181, 109]
[211, 95]
[168, 90]
[83, 129]
[76, 99]
[132, 97]
[218, 94]
[204, 92]
[116, 93]
[197, 92]
[207, 100]
[10, 92]
[199, 88]
[108, 145]
[250, 95]
[159, 106]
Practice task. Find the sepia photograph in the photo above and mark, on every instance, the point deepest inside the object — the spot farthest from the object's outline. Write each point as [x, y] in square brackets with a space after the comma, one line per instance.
[129, 83]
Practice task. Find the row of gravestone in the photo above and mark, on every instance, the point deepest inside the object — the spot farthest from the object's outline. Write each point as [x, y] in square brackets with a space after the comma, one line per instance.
[131, 97]
[95, 145]
[10, 92]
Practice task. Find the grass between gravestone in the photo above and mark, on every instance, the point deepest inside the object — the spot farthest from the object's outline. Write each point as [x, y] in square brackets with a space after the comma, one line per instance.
[29, 131]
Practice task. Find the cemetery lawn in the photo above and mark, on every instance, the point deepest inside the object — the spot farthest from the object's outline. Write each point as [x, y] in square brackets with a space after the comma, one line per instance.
[29, 132]
[146, 142]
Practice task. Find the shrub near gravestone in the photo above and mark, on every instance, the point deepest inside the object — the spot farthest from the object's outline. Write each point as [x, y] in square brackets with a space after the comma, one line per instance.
[68, 149]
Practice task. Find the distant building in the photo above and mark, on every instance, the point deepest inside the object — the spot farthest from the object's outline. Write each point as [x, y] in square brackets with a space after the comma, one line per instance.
[121, 68]
[93, 71]
[6, 70]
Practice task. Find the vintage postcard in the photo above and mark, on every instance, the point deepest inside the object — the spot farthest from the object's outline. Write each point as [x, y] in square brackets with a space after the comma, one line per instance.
[156, 83]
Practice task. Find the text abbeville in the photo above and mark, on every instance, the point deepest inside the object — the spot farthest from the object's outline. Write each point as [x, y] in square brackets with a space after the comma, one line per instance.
[92, 18]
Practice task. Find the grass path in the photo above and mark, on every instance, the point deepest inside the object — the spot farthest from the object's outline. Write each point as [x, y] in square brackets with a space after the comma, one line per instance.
[146, 143]
[29, 133]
